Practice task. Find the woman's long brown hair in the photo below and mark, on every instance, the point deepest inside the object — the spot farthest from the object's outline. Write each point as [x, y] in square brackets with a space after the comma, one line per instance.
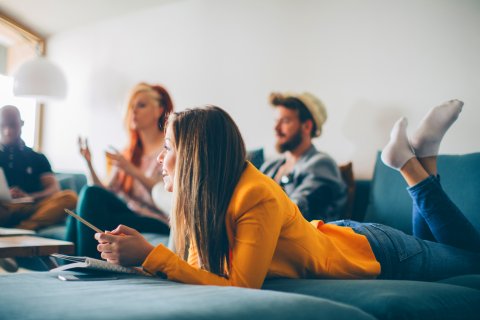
[134, 151]
[211, 157]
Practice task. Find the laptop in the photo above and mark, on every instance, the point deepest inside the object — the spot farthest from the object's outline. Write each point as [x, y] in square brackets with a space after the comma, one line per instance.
[5, 195]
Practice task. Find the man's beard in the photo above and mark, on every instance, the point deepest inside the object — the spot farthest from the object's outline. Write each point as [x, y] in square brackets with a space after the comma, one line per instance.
[291, 144]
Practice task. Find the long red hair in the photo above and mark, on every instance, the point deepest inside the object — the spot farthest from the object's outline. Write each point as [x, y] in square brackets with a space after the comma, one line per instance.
[134, 150]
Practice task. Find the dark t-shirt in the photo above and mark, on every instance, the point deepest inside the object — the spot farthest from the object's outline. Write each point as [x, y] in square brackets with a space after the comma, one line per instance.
[23, 167]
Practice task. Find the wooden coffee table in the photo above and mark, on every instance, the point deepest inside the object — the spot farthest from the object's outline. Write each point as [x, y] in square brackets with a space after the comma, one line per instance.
[32, 246]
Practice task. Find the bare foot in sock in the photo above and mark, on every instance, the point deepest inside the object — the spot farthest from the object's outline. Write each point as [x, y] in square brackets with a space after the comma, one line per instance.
[427, 138]
[397, 151]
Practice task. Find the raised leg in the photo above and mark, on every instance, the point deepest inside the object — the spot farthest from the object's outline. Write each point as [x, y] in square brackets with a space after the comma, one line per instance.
[431, 206]
[420, 227]
[399, 155]
[429, 164]
[413, 172]
[445, 220]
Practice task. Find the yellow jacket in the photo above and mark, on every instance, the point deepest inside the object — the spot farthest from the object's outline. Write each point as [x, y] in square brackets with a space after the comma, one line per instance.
[269, 238]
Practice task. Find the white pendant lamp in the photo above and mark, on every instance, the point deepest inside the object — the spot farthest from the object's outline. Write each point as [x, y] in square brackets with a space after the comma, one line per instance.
[41, 79]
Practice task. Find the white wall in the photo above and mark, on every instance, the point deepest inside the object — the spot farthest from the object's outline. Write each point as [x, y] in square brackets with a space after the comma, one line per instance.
[369, 61]
[3, 59]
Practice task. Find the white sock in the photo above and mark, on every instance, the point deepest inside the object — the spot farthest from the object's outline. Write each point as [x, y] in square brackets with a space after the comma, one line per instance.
[427, 138]
[397, 151]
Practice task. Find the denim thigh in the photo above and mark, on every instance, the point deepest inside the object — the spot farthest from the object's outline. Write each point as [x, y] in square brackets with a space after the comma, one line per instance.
[403, 256]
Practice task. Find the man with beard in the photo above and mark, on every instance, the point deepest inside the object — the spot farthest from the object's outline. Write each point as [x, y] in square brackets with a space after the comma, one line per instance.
[311, 178]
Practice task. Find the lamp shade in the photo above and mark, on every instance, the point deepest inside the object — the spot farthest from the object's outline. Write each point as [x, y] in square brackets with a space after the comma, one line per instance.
[39, 78]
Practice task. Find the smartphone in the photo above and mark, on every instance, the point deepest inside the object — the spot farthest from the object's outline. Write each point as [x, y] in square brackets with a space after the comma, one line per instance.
[86, 277]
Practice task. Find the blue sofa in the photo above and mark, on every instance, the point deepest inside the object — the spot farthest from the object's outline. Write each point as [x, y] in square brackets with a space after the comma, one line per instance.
[383, 199]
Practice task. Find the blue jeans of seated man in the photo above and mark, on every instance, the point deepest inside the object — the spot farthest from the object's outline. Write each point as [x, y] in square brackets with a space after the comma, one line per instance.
[403, 256]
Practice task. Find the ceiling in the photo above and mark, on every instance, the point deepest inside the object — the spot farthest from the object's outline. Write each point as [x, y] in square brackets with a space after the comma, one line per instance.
[48, 17]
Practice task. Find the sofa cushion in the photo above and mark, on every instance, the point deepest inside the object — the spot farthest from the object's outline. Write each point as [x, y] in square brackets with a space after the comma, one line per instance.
[71, 181]
[256, 157]
[43, 296]
[156, 238]
[391, 299]
[390, 203]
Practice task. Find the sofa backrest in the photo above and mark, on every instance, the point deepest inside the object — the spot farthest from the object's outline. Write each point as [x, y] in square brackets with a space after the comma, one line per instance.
[71, 181]
[390, 204]
[256, 157]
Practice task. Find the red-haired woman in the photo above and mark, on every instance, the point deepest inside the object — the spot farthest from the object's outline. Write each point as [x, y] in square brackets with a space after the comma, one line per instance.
[126, 197]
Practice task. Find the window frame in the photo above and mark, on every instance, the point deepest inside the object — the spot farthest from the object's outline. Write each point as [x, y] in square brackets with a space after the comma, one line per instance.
[38, 48]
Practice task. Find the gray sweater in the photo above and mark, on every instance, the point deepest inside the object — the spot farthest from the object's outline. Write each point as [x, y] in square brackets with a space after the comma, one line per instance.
[315, 185]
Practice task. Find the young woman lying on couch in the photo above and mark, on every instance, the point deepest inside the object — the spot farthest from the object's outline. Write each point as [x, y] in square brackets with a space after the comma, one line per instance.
[236, 227]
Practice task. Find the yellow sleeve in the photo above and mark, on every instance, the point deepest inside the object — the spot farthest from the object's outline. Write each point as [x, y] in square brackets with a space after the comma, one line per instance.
[255, 240]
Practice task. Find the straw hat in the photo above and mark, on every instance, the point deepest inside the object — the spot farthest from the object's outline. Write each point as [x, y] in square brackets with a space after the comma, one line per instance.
[313, 104]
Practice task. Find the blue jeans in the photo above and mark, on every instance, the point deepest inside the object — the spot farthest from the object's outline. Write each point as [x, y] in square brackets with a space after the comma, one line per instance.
[402, 256]
[436, 218]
